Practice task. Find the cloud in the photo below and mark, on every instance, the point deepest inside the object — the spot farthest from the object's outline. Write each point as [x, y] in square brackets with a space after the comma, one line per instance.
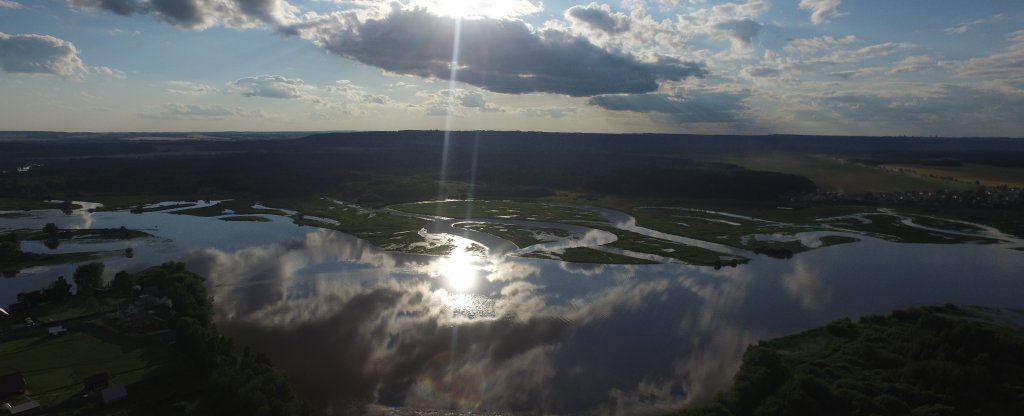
[821, 10]
[10, 4]
[599, 17]
[966, 26]
[39, 54]
[810, 45]
[110, 72]
[760, 72]
[697, 107]
[189, 88]
[739, 32]
[1003, 64]
[473, 99]
[270, 86]
[188, 112]
[497, 55]
[843, 57]
[202, 14]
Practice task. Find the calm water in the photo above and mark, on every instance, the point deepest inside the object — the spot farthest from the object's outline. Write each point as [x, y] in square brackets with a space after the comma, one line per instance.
[355, 326]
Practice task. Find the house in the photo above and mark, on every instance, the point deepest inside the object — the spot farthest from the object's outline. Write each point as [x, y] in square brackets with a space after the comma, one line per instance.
[56, 330]
[12, 385]
[96, 381]
[113, 394]
[20, 407]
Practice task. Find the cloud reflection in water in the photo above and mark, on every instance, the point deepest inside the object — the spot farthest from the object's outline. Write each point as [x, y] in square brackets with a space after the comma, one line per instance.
[353, 325]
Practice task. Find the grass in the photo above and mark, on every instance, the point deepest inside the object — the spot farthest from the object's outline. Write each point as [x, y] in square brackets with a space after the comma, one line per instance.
[698, 256]
[85, 234]
[389, 232]
[588, 255]
[74, 308]
[834, 174]
[501, 210]
[966, 174]
[49, 260]
[244, 218]
[834, 240]
[889, 227]
[519, 235]
[55, 366]
[236, 207]
[14, 204]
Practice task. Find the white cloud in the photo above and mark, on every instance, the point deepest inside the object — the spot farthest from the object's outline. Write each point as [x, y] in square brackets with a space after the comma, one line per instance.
[966, 26]
[110, 72]
[808, 46]
[189, 88]
[270, 86]
[39, 54]
[821, 10]
[188, 112]
[10, 4]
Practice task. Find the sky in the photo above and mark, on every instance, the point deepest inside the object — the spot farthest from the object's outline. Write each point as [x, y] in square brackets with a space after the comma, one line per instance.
[831, 67]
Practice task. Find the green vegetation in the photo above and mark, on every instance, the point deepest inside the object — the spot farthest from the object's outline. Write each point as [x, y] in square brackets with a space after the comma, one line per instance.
[965, 174]
[200, 374]
[26, 204]
[501, 210]
[837, 174]
[387, 231]
[11, 262]
[698, 256]
[587, 255]
[83, 234]
[890, 227]
[246, 218]
[923, 361]
[519, 235]
[230, 207]
[55, 366]
[834, 240]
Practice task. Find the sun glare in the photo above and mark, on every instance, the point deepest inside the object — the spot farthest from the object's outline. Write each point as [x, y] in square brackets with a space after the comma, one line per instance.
[468, 9]
[459, 271]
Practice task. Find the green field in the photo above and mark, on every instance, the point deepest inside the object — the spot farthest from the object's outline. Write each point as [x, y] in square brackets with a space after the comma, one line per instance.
[965, 174]
[54, 366]
[838, 175]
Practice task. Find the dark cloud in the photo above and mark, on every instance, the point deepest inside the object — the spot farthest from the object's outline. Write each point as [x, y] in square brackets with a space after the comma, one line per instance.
[595, 17]
[700, 107]
[200, 14]
[39, 54]
[121, 7]
[497, 55]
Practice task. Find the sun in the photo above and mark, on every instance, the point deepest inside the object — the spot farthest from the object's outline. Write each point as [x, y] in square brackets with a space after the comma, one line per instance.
[472, 9]
[460, 271]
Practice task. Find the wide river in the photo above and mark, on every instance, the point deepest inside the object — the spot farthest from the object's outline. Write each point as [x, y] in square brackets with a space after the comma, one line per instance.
[358, 328]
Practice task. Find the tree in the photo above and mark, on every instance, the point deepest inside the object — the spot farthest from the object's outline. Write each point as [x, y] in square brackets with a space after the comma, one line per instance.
[58, 290]
[122, 283]
[50, 228]
[89, 278]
